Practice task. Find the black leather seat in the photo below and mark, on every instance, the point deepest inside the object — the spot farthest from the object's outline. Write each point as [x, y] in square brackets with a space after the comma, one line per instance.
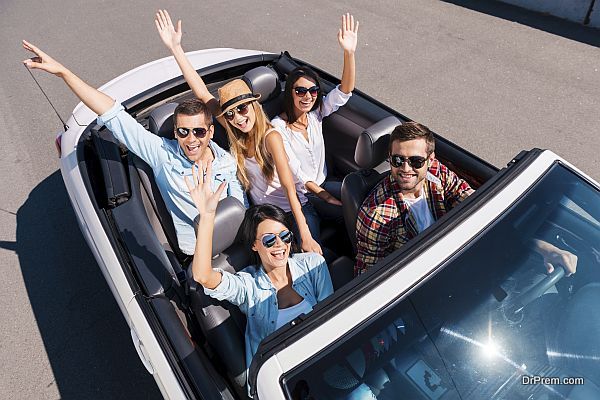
[160, 122]
[370, 155]
[222, 323]
[265, 81]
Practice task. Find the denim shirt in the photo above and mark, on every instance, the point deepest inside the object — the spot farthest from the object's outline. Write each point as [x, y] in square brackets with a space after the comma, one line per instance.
[252, 291]
[170, 165]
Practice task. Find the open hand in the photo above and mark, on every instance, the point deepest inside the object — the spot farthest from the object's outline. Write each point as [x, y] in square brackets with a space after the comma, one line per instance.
[42, 60]
[205, 199]
[170, 36]
[348, 33]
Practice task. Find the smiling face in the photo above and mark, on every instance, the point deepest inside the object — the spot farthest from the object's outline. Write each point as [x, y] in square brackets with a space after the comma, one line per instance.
[277, 255]
[303, 104]
[244, 117]
[410, 179]
[193, 147]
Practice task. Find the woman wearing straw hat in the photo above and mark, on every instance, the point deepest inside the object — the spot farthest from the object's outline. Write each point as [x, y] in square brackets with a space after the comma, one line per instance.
[257, 147]
[301, 124]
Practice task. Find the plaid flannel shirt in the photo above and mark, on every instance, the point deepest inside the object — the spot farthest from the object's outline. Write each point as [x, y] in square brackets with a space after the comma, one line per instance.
[384, 221]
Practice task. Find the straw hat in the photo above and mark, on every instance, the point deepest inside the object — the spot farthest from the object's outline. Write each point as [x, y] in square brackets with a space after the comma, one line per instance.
[235, 93]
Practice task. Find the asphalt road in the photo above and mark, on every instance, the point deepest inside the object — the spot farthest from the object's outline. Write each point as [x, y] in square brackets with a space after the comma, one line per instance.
[492, 78]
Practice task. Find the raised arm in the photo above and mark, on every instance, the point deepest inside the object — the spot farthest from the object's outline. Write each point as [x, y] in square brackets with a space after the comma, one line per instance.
[275, 147]
[97, 101]
[206, 202]
[171, 37]
[348, 38]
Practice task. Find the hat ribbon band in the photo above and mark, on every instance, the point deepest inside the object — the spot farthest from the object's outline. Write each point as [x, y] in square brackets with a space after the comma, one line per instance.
[236, 99]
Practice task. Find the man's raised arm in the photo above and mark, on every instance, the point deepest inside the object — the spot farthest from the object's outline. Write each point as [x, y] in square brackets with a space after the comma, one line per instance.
[96, 101]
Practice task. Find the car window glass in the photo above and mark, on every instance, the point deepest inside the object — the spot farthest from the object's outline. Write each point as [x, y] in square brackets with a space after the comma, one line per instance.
[493, 323]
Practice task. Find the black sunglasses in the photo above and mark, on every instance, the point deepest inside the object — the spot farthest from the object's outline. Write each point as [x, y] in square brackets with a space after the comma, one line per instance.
[242, 109]
[413, 161]
[198, 132]
[268, 240]
[301, 91]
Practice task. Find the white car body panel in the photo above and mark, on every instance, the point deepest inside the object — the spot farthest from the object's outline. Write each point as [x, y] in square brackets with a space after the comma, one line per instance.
[122, 88]
[268, 385]
[140, 79]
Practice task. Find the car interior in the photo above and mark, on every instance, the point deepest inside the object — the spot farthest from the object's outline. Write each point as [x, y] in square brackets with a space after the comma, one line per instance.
[205, 336]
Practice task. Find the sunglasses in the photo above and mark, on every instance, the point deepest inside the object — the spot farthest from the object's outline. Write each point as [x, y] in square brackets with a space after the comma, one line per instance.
[413, 161]
[242, 109]
[268, 240]
[198, 132]
[301, 91]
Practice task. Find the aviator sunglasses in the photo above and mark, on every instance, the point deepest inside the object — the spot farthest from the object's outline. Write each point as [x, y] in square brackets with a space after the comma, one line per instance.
[268, 240]
[242, 109]
[198, 132]
[413, 161]
[301, 91]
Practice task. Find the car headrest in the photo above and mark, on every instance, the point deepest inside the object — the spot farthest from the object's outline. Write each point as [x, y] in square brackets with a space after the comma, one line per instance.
[372, 146]
[228, 218]
[264, 81]
[160, 120]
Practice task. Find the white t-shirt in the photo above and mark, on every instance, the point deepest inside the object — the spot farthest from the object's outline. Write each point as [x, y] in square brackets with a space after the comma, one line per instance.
[285, 315]
[420, 210]
[264, 192]
[307, 157]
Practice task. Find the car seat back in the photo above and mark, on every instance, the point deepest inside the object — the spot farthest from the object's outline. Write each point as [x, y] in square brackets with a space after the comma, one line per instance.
[265, 81]
[222, 323]
[370, 155]
[160, 121]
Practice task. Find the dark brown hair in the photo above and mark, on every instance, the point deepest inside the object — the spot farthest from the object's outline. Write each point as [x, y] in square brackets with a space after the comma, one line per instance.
[411, 131]
[253, 217]
[192, 107]
[288, 98]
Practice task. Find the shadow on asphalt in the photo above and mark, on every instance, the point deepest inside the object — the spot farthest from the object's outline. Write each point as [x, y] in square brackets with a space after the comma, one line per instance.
[548, 23]
[84, 333]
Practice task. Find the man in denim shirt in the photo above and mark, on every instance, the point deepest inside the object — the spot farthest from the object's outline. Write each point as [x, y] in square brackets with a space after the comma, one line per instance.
[170, 159]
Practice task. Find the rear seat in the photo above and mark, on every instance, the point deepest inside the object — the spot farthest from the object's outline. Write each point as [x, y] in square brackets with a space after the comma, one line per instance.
[222, 323]
[160, 122]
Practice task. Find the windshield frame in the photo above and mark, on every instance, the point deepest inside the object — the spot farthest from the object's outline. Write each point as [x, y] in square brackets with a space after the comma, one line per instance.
[407, 270]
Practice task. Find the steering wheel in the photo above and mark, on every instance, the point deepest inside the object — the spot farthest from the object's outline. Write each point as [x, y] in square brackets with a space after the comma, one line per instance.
[536, 291]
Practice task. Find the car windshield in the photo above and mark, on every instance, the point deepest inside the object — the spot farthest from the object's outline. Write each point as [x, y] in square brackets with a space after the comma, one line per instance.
[493, 323]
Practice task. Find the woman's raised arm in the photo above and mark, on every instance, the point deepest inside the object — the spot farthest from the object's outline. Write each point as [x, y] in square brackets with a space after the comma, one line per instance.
[206, 202]
[171, 37]
[348, 38]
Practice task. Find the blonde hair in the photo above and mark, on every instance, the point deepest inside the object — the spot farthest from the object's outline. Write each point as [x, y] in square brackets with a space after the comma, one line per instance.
[238, 147]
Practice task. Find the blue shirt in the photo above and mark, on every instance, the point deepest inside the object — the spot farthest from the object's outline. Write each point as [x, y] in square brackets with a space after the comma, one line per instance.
[252, 291]
[170, 164]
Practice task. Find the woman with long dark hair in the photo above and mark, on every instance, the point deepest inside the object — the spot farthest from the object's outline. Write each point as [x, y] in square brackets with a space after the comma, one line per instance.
[301, 124]
[279, 286]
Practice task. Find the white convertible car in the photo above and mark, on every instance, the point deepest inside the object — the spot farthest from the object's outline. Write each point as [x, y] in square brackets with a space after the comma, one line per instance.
[466, 310]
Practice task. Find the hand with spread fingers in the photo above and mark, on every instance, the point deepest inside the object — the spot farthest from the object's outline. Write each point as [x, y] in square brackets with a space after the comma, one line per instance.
[170, 36]
[205, 199]
[348, 33]
[42, 60]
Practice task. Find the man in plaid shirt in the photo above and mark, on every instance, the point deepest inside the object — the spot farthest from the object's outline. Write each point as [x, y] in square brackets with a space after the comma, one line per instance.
[418, 191]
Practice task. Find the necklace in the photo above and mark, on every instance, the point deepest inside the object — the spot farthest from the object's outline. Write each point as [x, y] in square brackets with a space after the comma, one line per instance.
[300, 124]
